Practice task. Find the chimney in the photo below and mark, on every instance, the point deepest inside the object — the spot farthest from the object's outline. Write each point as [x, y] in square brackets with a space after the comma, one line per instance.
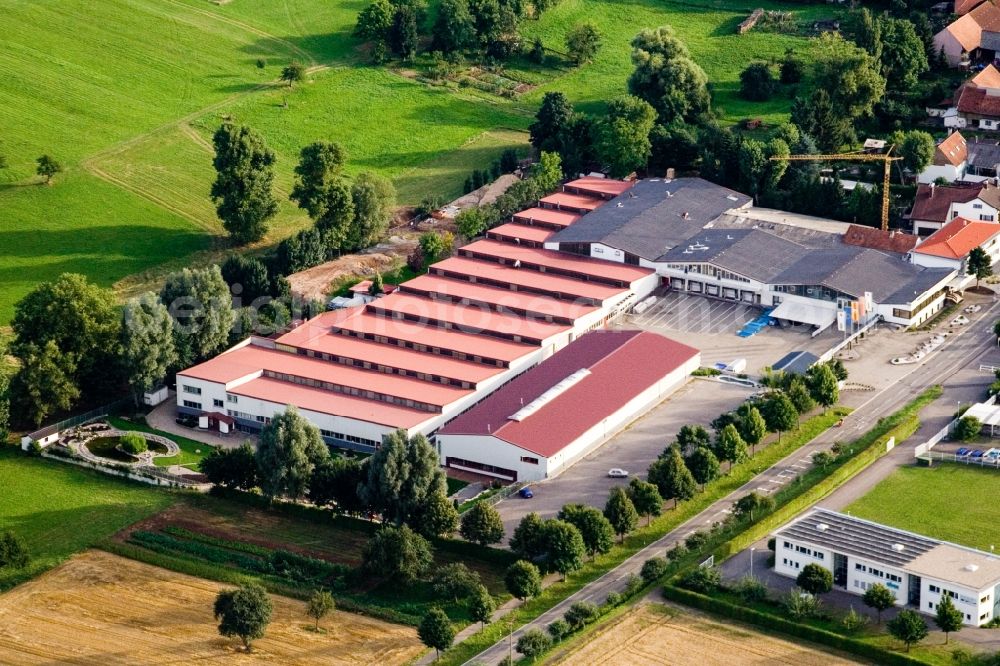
[670, 173]
[932, 190]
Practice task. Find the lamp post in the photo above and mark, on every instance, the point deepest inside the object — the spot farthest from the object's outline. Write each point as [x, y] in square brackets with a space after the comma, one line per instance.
[751, 560]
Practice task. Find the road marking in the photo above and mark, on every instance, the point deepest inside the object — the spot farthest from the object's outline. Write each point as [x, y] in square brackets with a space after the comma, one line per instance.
[775, 481]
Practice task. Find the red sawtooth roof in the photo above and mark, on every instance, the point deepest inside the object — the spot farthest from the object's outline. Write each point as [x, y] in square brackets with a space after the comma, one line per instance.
[957, 238]
[559, 261]
[318, 338]
[601, 187]
[547, 282]
[337, 404]
[577, 202]
[622, 364]
[248, 359]
[498, 296]
[549, 216]
[467, 318]
[430, 336]
[522, 232]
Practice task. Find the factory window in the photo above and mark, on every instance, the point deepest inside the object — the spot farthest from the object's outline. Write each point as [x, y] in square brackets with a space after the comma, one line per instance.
[231, 398]
[217, 403]
[191, 389]
[192, 404]
[529, 460]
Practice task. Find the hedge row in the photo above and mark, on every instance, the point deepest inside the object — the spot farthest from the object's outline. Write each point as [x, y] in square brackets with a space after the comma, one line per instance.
[777, 623]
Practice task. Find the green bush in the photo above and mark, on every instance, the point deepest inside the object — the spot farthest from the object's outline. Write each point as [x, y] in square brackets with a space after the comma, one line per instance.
[614, 599]
[702, 579]
[133, 443]
[750, 589]
[580, 614]
[653, 569]
[558, 629]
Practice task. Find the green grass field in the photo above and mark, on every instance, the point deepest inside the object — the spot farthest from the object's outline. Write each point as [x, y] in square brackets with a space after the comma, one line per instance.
[126, 94]
[60, 509]
[949, 501]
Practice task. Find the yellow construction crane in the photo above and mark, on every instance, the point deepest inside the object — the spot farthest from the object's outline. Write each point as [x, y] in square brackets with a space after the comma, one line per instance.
[856, 157]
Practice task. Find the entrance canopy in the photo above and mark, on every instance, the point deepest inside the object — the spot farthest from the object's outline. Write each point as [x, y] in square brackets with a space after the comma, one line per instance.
[804, 313]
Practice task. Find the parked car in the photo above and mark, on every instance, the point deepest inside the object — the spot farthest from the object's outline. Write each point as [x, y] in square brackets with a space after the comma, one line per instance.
[973, 309]
[526, 493]
[960, 320]
[617, 473]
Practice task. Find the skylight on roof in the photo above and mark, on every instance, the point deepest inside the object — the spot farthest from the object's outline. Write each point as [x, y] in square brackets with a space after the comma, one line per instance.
[549, 395]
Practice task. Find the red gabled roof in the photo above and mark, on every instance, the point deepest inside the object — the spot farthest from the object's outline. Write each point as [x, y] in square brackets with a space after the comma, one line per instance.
[577, 202]
[363, 287]
[500, 274]
[988, 78]
[473, 319]
[550, 216]
[521, 232]
[965, 6]
[622, 364]
[561, 261]
[600, 187]
[876, 239]
[979, 101]
[952, 150]
[957, 238]
[336, 404]
[498, 296]
[933, 201]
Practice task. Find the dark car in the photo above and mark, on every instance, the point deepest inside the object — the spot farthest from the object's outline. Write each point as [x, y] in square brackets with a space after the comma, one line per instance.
[526, 493]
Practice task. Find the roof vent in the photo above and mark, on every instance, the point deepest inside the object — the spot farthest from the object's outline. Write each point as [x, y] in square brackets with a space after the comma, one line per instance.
[549, 395]
[732, 197]
[822, 527]
[971, 567]
[898, 547]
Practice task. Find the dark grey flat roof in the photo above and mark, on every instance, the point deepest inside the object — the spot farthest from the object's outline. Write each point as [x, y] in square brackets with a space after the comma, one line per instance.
[654, 216]
[758, 255]
[854, 536]
[983, 155]
[796, 362]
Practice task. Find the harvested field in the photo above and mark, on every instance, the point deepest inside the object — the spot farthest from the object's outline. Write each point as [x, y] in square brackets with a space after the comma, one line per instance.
[650, 635]
[100, 609]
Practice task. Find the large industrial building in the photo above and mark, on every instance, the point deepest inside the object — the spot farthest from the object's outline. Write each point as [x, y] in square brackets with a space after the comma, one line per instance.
[709, 240]
[559, 411]
[918, 570]
[437, 345]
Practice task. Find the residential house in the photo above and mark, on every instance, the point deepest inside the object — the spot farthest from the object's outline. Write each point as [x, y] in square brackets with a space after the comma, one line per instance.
[963, 7]
[971, 38]
[975, 103]
[949, 247]
[984, 160]
[950, 160]
[935, 205]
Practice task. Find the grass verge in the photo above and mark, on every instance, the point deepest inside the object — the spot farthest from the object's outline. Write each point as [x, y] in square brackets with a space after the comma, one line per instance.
[643, 536]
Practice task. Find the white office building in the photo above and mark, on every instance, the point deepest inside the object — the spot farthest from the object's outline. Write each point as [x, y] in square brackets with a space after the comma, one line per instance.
[919, 570]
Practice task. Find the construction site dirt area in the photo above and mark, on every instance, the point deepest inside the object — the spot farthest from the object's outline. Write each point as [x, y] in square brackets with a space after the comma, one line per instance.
[99, 609]
[653, 635]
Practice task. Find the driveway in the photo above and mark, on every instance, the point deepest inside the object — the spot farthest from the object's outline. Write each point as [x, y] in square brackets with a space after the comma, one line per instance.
[633, 449]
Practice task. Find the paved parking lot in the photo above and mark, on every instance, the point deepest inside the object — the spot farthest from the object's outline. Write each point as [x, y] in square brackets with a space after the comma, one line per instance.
[633, 449]
[696, 314]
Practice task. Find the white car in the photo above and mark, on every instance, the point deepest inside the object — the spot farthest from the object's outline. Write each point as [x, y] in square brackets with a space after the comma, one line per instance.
[617, 473]
[960, 320]
[973, 309]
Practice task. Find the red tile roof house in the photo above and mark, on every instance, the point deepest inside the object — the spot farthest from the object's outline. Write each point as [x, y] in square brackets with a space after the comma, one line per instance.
[564, 408]
[949, 247]
[935, 205]
[972, 37]
[951, 160]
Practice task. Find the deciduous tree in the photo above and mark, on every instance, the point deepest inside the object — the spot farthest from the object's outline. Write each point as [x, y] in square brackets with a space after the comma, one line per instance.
[703, 464]
[482, 524]
[374, 21]
[320, 164]
[294, 72]
[525, 540]
[849, 74]
[533, 642]
[822, 385]
[757, 82]
[454, 29]
[880, 598]
[201, 306]
[750, 424]
[979, 264]
[13, 551]
[402, 476]
[907, 627]
[779, 413]
[244, 168]
[904, 57]
[622, 140]
[374, 198]
[455, 580]
[523, 580]
[671, 476]
[563, 546]
[583, 41]
[482, 605]
[320, 605]
[47, 167]
[948, 618]
[147, 343]
[621, 513]
[730, 446]
[335, 481]
[597, 533]
[667, 77]
[436, 630]
[398, 553]
[752, 504]
[646, 498]
[290, 447]
[244, 612]
[44, 383]
[815, 579]
[231, 468]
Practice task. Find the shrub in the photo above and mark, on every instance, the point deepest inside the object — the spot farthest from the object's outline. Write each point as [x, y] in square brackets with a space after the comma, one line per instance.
[757, 82]
[614, 599]
[854, 621]
[696, 541]
[677, 552]
[801, 605]
[771, 544]
[533, 642]
[632, 585]
[580, 614]
[750, 588]
[13, 552]
[558, 630]
[967, 428]
[702, 579]
[133, 443]
[654, 568]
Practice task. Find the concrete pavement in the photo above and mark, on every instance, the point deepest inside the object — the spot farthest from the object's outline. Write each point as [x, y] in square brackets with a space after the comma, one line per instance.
[959, 351]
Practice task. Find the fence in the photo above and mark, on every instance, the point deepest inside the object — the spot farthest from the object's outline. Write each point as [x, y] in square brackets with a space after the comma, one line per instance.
[92, 415]
[150, 475]
[827, 355]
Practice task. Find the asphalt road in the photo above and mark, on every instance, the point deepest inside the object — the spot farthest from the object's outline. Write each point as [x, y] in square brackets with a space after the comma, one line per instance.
[959, 351]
